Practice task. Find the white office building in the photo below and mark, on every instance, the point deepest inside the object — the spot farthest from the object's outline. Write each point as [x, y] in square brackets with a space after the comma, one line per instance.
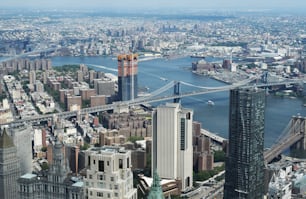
[172, 150]
[109, 174]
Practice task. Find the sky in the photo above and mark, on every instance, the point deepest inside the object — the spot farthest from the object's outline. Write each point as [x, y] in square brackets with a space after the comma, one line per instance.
[156, 4]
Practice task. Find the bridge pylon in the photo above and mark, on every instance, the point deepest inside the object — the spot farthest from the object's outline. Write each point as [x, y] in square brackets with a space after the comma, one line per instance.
[177, 91]
[298, 126]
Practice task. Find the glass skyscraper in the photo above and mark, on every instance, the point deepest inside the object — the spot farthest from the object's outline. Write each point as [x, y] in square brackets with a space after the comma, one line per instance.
[244, 176]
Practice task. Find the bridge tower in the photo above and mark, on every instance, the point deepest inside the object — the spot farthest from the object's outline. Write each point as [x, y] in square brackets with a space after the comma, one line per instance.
[298, 126]
[264, 77]
[177, 91]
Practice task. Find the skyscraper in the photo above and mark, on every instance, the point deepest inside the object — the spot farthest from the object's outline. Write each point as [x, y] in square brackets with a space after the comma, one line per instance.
[172, 143]
[9, 167]
[244, 176]
[127, 76]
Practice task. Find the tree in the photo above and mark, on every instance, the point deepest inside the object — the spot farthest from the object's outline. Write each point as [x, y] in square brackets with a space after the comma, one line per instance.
[135, 138]
[219, 156]
[44, 166]
[44, 149]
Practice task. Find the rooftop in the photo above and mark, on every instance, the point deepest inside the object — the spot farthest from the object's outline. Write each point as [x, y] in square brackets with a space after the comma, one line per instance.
[28, 176]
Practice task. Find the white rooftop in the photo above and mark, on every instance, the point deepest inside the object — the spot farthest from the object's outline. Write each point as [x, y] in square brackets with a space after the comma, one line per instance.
[28, 176]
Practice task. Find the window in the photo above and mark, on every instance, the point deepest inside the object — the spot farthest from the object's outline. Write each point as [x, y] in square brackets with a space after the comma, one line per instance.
[187, 181]
[101, 165]
[107, 163]
[112, 179]
[183, 140]
[99, 194]
[128, 163]
[120, 164]
[188, 116]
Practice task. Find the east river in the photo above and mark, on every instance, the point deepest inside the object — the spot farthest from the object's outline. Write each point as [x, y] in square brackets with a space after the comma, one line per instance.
[154, 74]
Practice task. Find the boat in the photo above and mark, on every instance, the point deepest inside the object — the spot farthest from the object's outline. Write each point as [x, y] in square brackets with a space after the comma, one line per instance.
[210, 103]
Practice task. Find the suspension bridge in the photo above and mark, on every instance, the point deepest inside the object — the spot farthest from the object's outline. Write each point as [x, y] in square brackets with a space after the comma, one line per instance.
[173, 91]
[293, 136]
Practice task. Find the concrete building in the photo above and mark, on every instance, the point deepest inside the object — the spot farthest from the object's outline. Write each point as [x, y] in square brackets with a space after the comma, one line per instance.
[92, 76]
[22, 138]
[104, 87]
[9, 167]
[80, 76]
[172, 152]
[244, 176]
[39, 87]
[32, 77]
[97, 100]
[127, 77]
[203, 158]
[63, 93]
[73, 100]
[87, 93]
[139, 159]
[56, 183]
[280, 186]
[108, 173]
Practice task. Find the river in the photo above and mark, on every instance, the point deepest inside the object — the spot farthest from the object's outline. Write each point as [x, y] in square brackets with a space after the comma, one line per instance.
[158, 72]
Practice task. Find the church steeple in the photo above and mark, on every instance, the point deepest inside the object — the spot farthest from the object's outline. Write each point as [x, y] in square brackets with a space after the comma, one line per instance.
[156, 191]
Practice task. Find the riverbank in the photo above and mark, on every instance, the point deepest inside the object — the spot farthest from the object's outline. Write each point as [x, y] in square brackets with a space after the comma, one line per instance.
[225, 76]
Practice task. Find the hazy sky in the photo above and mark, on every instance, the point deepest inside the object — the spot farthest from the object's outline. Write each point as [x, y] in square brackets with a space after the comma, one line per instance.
[199, 4]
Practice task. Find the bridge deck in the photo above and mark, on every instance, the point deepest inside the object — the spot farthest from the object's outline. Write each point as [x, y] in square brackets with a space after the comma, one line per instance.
[281, 146]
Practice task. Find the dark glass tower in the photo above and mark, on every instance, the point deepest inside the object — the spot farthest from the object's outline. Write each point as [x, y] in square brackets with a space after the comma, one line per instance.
[127, 77]
[244, 176]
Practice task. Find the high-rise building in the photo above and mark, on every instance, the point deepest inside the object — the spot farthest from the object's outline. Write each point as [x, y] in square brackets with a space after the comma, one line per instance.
[32, 77]
[109, 173]
[172, 143]
[9, 167]
[127, 76]
[244, 176]
[80, 76]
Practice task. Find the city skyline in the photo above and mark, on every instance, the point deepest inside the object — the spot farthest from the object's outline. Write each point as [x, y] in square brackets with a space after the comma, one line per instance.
[158, 4]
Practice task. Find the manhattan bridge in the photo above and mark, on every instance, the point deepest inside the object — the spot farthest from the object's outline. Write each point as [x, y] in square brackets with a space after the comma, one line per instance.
[294, 135]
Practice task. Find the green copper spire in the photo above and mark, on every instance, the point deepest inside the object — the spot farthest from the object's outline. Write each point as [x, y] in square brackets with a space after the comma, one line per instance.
[5, 140]
[156, 191]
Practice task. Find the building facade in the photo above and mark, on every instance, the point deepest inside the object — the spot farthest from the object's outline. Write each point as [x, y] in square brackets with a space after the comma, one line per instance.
[109, 174]
[244, 176]
[172, 151]
[127, 76]
[56, 183]
[22, 139]
[9, 167]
